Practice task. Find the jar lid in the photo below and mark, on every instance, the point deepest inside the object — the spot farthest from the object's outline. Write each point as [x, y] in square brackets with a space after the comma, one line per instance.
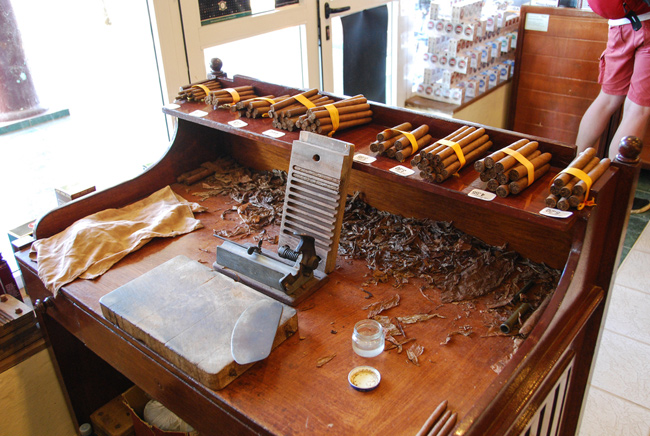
[364, 378]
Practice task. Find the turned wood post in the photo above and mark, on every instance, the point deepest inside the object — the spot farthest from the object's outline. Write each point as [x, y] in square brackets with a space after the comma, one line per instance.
[18, 99]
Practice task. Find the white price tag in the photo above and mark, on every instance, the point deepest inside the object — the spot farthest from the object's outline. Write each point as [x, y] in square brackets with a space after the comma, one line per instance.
[482, 195]
[273, 133]
[172, 106]
[402, 170]
[555, 213]
[238, 123]
[364, 158]
[198, 113]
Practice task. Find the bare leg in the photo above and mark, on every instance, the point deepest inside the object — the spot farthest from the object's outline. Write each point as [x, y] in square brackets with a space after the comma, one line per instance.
[595, 119]
[634, 123]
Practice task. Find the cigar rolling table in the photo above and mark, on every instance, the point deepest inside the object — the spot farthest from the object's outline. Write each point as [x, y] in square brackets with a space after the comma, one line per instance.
[541, 385]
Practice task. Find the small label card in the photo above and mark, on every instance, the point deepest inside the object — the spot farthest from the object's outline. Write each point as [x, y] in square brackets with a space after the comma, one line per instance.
[364, 158]
[172, 106]
[238, 123]
[273, 133]
[482, 195]
[402, 170]
[198, 113]
[555, 213]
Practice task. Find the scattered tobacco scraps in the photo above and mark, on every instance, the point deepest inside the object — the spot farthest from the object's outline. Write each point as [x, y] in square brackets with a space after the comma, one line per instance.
[394, 343]
[461, 266]
[390, 328]
[462, 331]
[323, 360]
[414, 352]
[378, 307]
[259, 195]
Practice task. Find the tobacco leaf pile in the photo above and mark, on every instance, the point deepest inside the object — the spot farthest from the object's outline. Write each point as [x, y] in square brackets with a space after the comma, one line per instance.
[460, 266]
[259, 196]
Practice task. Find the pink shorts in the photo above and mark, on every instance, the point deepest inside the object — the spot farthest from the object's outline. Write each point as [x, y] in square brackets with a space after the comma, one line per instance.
[625, 63]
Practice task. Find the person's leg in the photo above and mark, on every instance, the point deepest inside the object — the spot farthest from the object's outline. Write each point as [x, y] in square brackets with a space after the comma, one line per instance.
[596, 118]
[634, 123]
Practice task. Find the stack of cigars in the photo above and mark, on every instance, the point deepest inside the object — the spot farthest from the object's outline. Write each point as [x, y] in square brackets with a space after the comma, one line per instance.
[439, 161]
[569, 191]
[352, 112]
[504, 174]
[197, 91]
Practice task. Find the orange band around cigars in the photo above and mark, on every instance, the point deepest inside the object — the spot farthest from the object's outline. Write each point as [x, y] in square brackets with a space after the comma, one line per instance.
[270, 100]
[334, 115]
[456, 147]
[522, 160]
[235, 94]
[304, 101]
[410, 137]
[203, 87]
[585, 178]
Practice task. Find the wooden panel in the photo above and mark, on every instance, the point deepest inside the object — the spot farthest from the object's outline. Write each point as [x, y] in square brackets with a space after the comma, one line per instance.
[573, 27]
[542, 44]
[559, 85]
[558, 67]
[556, 73]
[550, 119]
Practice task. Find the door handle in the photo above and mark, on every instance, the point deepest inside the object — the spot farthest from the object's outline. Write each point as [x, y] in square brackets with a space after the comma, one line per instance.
[329, 10]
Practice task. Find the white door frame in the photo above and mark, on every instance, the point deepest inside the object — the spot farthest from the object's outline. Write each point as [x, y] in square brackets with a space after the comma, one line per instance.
[180, 39]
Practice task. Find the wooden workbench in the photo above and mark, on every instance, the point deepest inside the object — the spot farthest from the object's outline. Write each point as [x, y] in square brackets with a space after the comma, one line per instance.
[542, 382]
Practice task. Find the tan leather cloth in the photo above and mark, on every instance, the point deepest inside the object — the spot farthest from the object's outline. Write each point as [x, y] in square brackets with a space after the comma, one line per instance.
[91, 245]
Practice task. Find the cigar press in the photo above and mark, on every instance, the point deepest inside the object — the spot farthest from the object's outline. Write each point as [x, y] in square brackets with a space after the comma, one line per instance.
[288, 276]
[311, 222]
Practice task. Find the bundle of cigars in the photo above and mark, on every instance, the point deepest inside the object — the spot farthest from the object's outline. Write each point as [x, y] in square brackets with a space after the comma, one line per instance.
[513, 168]
[396, 144]
[571, 186]
[327, 118]
[285, 113]
[445, 157]
[197, 91]
[225, 97]
[257, 107]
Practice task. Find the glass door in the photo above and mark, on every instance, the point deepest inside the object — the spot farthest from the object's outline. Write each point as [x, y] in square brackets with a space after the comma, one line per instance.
[362, 48]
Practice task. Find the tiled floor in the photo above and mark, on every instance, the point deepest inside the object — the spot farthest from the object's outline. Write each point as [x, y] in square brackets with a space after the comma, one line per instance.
[618, 401]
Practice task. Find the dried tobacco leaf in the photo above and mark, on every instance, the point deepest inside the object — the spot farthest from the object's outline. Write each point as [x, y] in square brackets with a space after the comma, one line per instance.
[414, 352]
[390, 328]
[412, 319]
[323, 360]
[394, 343]
[380, 306]
[465, 331]
[461, 266]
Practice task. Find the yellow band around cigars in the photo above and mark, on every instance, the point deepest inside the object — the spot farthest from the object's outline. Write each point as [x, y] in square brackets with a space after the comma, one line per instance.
[334, 115]
[456, 147]
[585, 178]
[304, 101]
[203, 87]
[270, 100]
[235, 94]
[522, 160]
[411, 138]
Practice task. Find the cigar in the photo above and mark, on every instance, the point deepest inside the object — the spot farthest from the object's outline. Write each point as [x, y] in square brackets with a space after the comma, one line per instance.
[448, 151]
[291, 100]
[580, 187]
[425, 151]
[567, 189]
[469, 158]
[345, 125]
[579, 162]
[418, 133]
[389, 133]
[519, 185]
[490, 160]
[437, 413]
[551, 200]
[508, 161]
[402, 154]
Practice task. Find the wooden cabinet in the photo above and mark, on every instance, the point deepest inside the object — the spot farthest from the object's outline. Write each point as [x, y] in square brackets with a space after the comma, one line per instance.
[542, 382]
[556, 74]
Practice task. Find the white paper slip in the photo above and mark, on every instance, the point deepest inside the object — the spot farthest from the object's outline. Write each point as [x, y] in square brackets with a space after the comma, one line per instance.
[482, 195]
[555, 213]
[402, 170]
[172, 106]
[238, 123]
[198, 113]
[273, 133]
[364, 158]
